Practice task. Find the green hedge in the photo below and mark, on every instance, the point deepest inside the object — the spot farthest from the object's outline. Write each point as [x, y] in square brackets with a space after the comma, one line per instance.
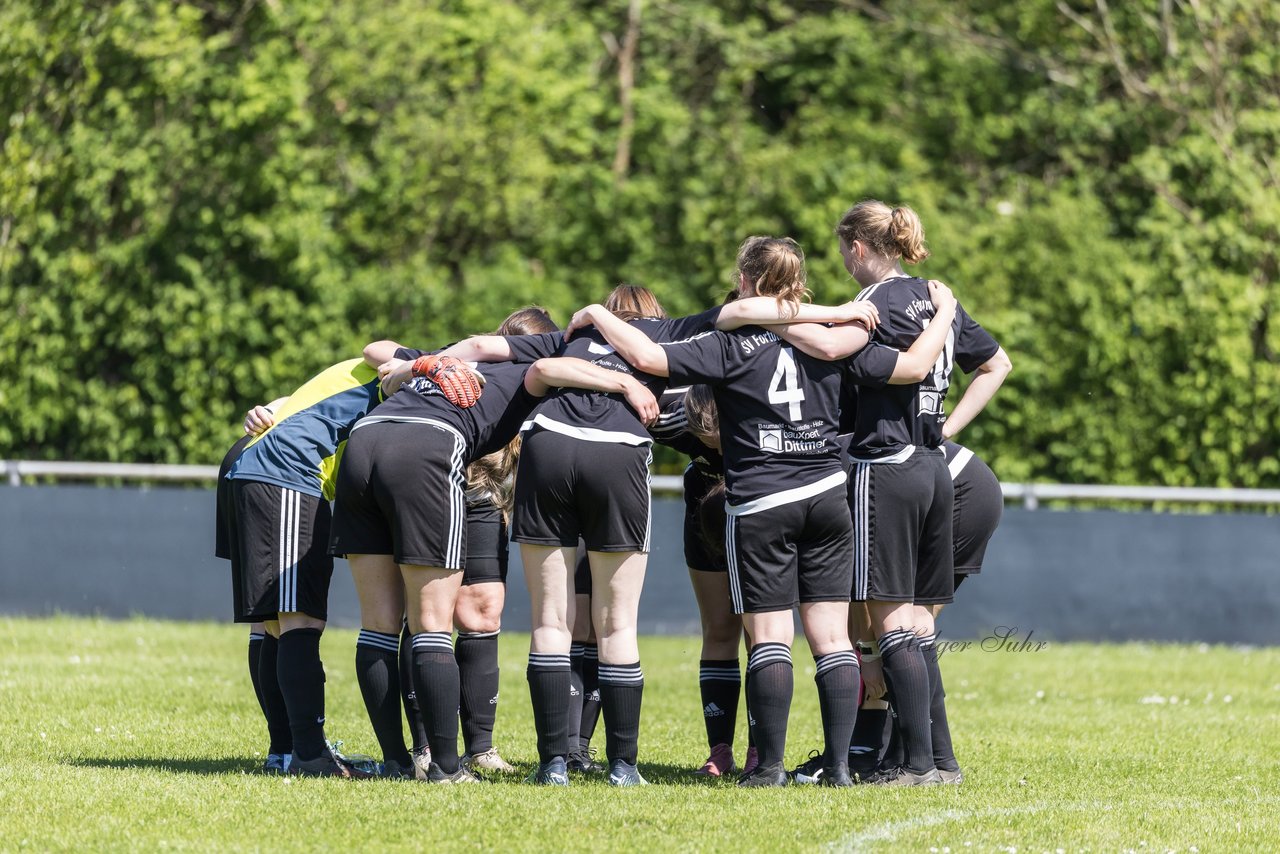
[202, 204]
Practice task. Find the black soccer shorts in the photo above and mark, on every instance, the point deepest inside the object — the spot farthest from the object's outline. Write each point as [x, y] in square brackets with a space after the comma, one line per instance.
[568, 488]
[486, 543]
[796, 552]
[401, 491]
[278, 541]
[902, 529]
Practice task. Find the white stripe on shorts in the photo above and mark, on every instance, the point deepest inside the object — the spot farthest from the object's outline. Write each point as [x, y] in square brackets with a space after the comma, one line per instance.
[731, 559]
[861, 525]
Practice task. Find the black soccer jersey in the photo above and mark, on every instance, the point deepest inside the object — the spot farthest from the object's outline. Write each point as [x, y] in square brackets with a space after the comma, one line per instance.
[487, 426]
[890, 420]
[593, 415]
[672, 429]
[778, 411]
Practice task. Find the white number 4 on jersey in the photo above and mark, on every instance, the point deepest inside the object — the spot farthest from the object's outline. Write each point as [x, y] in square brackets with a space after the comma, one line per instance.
[785, 385]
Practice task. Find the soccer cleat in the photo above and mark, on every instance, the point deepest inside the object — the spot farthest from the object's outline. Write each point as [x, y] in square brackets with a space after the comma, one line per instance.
[396, 771]
[550, 773]
[623, 773]
[765, 776]
[836, 776]
[326, 765]
[718, 763]
[463, 775]
[277, 763]
[903, 777]
[811, 771]
[951, 778]
[584, 762]
[489, 760]
[753, 760]
[421, 761]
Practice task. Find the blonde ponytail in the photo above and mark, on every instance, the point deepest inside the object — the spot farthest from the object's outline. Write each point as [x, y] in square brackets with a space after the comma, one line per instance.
[775, 268]
[891, 232]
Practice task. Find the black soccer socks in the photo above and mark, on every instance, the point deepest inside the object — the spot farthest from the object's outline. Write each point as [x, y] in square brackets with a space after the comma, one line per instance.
[436, 683]
[412, 712]
[590, 694]
[577, 656]
[621, 692]
[907, 679]
[378, 672]
[837, 679]
[255, 654]
[548, 675]
[868, 742]
[272, 700]
[770, 685]
[720, 683]
[477, 655]
[301, 678]
[944, 756]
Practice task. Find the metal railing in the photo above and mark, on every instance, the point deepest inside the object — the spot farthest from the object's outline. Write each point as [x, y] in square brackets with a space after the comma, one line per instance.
[1030, 494]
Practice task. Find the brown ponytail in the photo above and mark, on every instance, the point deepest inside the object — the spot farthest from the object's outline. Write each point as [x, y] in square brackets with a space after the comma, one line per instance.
[892, 232]
[775, 268]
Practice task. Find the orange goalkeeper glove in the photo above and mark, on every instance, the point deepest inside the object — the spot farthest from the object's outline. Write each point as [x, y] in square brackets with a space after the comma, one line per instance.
[461, 385]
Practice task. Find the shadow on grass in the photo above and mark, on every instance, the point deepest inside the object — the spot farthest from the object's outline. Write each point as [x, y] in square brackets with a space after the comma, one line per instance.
[208, 767]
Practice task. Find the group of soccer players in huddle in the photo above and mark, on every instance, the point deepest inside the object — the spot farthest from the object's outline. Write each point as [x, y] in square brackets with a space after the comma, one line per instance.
[822, 475]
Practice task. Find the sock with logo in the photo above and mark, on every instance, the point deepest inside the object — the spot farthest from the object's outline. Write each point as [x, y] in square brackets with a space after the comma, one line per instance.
[412, 712]
[301, 676]
[272, 700]
[907, 679]
[378, 673]
[477, 654]
[837, 678]
[435, 681]
[944, 756]
[621, 693]
[720, 683]
[576, 656]
[769, 689]
[590, 694]
[548, 675]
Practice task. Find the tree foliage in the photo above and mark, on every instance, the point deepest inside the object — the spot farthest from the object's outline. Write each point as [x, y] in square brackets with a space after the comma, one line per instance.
[203, 203]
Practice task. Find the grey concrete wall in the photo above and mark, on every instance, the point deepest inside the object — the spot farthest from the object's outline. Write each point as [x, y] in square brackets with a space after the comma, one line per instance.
[1063, 575]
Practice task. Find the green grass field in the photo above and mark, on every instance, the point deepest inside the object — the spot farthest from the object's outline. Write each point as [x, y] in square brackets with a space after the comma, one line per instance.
[144, 735]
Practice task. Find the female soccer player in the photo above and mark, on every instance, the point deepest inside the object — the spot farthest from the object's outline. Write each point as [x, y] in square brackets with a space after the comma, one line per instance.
[901, 492]
[584, 472]
[789, 537]
[407, 552]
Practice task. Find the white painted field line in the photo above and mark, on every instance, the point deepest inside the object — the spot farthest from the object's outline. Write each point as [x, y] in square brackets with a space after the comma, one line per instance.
[889, 830]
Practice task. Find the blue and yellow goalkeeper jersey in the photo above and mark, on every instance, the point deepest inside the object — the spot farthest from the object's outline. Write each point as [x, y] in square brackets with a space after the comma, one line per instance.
[302, 449]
